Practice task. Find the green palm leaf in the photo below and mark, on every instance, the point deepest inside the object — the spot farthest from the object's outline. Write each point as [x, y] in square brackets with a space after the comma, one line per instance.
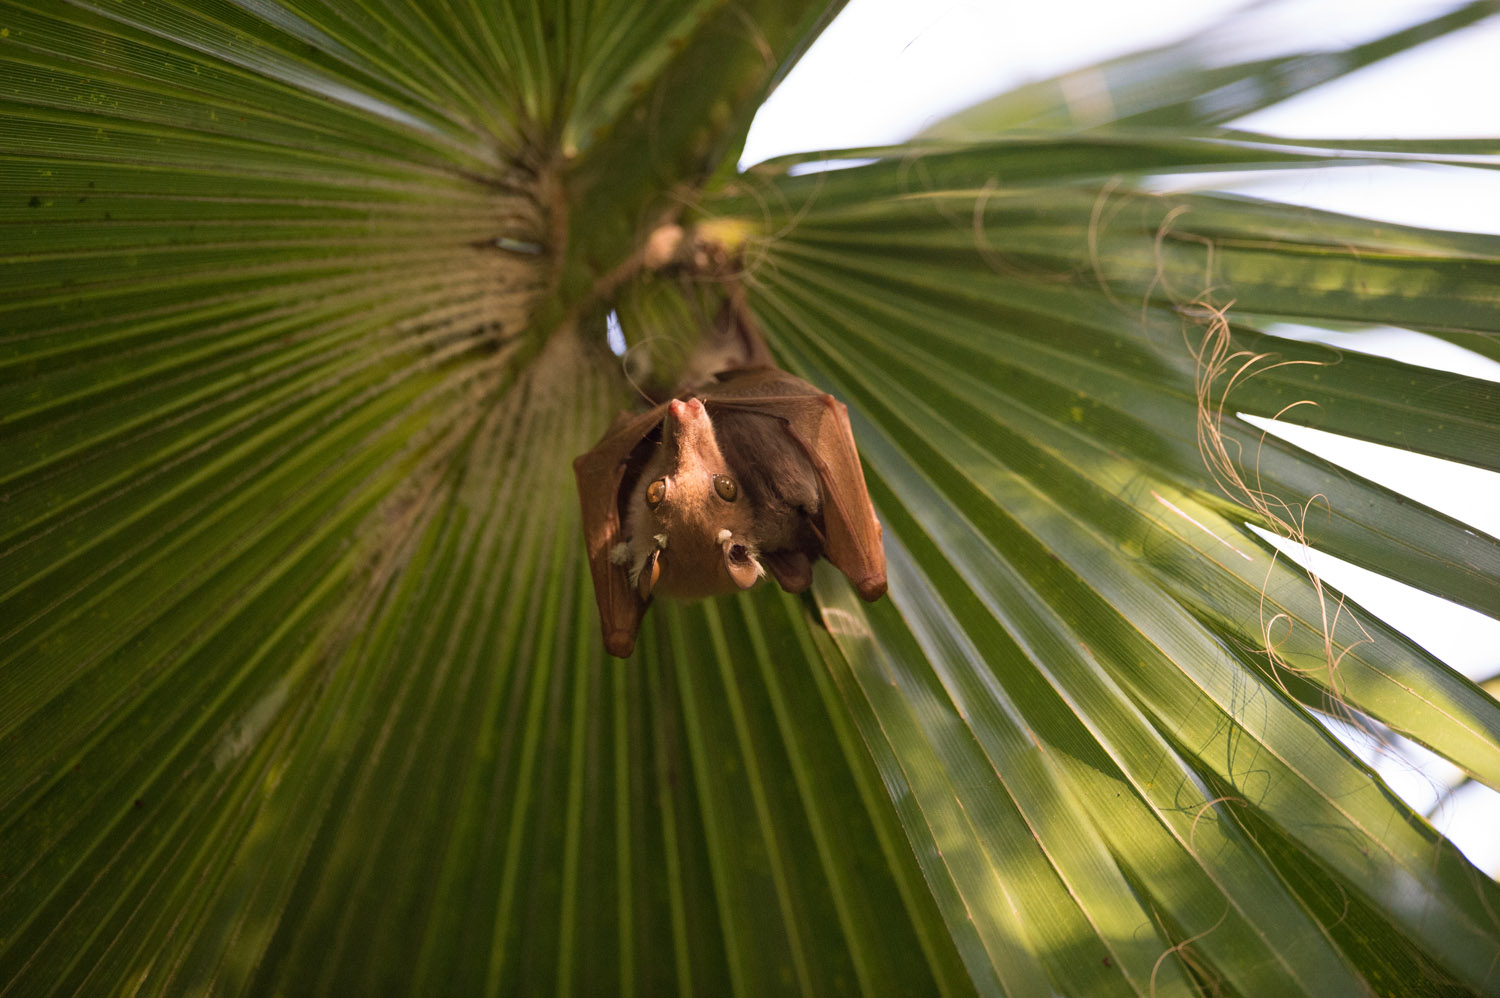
[301, 687]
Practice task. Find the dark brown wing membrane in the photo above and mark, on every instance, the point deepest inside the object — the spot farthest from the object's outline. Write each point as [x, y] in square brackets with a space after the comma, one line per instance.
[819, 424]
[600, 473]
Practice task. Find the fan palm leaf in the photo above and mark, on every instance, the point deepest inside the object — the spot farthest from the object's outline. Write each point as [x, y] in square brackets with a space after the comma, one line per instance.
[302, 688]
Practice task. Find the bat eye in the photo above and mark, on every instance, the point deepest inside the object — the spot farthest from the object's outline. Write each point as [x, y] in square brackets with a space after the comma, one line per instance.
[724, 485]
[656, 492]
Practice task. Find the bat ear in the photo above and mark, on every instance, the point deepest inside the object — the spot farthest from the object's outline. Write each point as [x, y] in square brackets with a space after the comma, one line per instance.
[650, 572]
[743, 568]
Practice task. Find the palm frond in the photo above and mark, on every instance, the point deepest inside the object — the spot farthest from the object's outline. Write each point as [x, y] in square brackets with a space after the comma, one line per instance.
[300, 680]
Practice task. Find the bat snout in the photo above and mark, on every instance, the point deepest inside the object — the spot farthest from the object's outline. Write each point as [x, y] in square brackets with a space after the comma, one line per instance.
[689, 436]
[687, 411]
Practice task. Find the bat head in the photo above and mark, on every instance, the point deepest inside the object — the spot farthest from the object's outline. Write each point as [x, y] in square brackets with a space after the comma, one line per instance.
[688, 524]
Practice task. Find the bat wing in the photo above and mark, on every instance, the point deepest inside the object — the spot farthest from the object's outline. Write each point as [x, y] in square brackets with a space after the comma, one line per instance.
[600, 473]
[819, 424]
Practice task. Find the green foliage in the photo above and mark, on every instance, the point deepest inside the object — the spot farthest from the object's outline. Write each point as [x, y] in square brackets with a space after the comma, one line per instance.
[301, 686]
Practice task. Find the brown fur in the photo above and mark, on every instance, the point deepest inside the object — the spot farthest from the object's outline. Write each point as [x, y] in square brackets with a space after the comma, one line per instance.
[799, 495]
[686, 532]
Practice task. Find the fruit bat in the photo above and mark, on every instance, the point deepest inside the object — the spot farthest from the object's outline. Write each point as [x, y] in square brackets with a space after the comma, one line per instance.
[753, 472]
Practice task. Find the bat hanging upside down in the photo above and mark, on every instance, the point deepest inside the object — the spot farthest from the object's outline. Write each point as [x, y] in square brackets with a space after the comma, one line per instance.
[755, 472]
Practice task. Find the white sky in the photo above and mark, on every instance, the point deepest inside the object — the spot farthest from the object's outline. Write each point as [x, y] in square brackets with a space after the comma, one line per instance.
[887, 68]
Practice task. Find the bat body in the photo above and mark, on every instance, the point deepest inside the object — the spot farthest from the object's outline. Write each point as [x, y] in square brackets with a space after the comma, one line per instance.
[754, 473]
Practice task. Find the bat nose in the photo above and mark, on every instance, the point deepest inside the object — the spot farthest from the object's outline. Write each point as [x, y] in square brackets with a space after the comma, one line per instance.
[682, 411]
